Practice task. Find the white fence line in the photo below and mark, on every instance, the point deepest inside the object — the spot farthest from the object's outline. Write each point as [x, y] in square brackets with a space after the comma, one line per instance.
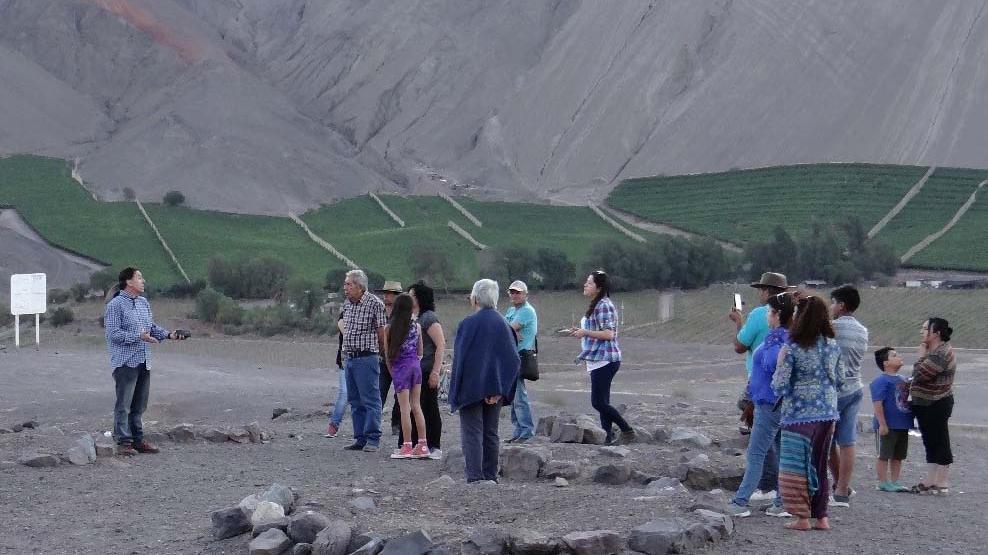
[913, 191]
[614, 223]
[322, 242]
[466, 213]
[463, 233]
[953, 221]
[161, 240]
[387, 210]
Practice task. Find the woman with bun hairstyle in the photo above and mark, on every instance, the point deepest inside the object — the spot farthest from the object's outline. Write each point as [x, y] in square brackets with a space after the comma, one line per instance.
[932, 402]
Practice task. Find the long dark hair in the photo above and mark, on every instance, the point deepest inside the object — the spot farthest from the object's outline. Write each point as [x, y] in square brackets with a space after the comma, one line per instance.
[425, 296]
[940, 327]
[783, 305]
[401, 322]
[812, 321]
[603, 289]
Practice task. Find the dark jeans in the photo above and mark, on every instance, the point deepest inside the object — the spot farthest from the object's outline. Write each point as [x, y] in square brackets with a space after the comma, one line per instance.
[385, 384]
[429, 399]
[478, 438]
[600, 398]
[932, 420]
[133, 386]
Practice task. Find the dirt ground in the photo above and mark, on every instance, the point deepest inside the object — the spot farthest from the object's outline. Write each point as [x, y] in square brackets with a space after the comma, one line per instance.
[161, 503]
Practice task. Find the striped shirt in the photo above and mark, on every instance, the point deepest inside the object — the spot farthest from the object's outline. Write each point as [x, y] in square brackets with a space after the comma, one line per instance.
[125, 318]
[361, 320]
[852, 337]
[603, 317]
[933, 375]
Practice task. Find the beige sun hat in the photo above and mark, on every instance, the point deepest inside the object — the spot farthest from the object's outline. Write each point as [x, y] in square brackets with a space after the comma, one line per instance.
[390, 287]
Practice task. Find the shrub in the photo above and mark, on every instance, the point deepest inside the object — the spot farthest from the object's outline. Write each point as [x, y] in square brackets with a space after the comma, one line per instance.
[429, 262]
[251, 278]
[306, 296]
[6, 318]
[213, 307]
[129, 194]
[182, 289]
[58, 296]
[79, 292]
[555, 268]
[61, 316]
[173, 198]
[104, 279]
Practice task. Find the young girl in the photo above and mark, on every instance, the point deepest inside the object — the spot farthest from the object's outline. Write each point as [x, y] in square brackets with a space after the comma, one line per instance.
[404, 349]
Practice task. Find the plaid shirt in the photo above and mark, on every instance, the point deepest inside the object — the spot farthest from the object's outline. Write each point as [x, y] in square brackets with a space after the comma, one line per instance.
[604, 317]
[361, 320]
[125, 318]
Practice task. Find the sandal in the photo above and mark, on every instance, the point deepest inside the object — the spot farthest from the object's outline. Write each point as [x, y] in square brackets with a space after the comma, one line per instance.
[937, 490]
[921, 488]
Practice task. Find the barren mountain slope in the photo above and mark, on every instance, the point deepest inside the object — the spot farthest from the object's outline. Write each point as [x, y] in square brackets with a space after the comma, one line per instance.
[269, 105]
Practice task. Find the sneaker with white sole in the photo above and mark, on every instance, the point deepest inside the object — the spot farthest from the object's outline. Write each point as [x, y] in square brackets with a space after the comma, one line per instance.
[760, 495]
[436, 454]
[331, 430]
[840, 500]
[404, 453]
[737, 511]
[780, 512]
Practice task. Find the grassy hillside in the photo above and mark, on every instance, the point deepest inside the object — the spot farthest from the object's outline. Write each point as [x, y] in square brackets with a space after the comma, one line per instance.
[964, 247]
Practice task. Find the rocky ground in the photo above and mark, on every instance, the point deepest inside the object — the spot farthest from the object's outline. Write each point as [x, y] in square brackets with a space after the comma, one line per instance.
[163, 503]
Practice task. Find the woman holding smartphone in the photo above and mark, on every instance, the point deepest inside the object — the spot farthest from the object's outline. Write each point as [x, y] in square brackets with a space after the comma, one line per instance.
[601, 353]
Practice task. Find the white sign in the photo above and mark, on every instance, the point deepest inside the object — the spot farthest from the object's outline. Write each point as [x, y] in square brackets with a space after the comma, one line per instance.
[28, 294]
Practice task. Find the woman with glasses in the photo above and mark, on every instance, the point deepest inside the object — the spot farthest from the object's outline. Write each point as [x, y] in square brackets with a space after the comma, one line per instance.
[765, 427]
[602, 355]
[808, 377]
[932, 402]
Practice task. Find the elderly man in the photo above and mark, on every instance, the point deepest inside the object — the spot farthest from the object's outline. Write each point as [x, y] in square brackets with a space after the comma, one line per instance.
[388, 292]
[522, 318]
[363, 325]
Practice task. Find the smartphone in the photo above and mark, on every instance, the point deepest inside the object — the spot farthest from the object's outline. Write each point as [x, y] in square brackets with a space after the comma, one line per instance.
[737, 302]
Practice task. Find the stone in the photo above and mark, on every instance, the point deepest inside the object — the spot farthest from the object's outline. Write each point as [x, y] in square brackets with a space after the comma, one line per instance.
[659, 536]
[281, 495]
[6, 431]
[253, 432]
[280, 524]
[562, 469]
[216, 435]
[239, 436]
[594, 542]
[333, 539]
[666, 487]
[453, 462]
[266, 511]
[545, 424]
[529, 542]
[522, 463]
[612, 474]
[699, 459]
[229, 522]
[303, 527]
[661, 435]
[443, 481]
[642, 478]
[249, 503]
[183, 433]
[615, 452]
[714, 501]
[302, 549]
[39, 460]
[363, 503]
[720, 522]
[561, 482]
[688, 436]
[700, 534]
[279, 411]
[155, 437]
[485, 541]
[706, 475]
[83, 452]
[271, 542]
[105, 446]
[360, 540]
[372, 547]
[413, 543]
[567, 433]
[29, 425]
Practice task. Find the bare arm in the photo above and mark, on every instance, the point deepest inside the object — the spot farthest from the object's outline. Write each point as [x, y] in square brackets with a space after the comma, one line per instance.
[604, 335]
[421, 346]
[382, 340]
[436, 333]
[883, 427]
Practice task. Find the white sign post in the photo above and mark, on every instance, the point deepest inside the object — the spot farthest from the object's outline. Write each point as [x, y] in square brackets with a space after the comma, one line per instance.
[28, 295]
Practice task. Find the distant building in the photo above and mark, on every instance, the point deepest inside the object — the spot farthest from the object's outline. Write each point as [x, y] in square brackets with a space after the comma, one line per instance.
[814, 283]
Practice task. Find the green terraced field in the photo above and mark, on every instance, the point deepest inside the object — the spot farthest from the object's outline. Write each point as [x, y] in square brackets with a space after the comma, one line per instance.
[965, 246]
[934, 206]
[744, 205]
[46, 196]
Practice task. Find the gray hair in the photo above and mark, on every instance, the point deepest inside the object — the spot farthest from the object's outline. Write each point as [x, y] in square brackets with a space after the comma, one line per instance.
[485, 293]
[358, 277]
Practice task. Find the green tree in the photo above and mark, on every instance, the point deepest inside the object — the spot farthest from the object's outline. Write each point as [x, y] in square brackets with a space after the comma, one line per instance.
[305, 295]
[104, 279]
[555, 268]
[429, 262]
[173, 198]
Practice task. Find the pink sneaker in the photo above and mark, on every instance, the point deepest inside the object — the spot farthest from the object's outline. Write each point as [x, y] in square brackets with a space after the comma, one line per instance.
[404, 453]
[421, 451]
[331, 431]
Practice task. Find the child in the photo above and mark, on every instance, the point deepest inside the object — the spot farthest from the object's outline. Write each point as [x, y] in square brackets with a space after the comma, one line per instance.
[339, 407]
[404, 349]
[893, 419]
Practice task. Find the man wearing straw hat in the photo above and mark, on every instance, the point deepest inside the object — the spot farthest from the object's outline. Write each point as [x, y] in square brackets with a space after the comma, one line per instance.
[388, 292]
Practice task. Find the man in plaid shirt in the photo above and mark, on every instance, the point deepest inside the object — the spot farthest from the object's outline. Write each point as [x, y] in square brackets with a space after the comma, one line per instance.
[363, 325]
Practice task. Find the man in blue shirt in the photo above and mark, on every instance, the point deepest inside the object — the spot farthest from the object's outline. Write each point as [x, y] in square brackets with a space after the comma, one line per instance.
[522, 318]
[130, 330]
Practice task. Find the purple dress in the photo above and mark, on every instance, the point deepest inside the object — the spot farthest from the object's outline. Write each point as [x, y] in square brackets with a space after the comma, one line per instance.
[405, 370]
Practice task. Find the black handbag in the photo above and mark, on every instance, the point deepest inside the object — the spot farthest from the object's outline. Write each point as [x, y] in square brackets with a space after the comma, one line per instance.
[530, 363]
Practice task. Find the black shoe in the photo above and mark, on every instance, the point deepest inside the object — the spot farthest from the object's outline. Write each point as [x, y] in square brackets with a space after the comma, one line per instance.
[355, 447]
[522, 439]
[511, 440]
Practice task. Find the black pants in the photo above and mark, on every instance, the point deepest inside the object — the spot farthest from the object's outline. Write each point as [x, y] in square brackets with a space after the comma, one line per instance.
[429, 400]
[478, 438]
[600, 398]
[385, 383]
[932, 421]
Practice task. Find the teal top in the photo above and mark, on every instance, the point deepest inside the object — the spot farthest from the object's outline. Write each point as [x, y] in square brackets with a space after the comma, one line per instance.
[753, 333]
[525, 317]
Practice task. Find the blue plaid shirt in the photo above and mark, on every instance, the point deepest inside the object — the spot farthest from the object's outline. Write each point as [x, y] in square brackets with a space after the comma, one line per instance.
[603, 317]
[125, 318]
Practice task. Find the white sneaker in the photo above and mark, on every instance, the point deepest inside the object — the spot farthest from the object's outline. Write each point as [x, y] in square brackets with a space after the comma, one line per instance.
[760, 495]
[436, 454]
[777, 511]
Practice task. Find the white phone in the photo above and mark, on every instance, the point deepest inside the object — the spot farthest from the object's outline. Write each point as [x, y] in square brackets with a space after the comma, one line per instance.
[737, 302]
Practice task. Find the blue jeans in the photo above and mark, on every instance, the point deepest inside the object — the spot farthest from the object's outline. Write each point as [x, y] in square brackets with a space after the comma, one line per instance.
[133, 386]
[479, 440]
[364, 394]
[521, 412]
[765, 432]
[339, 406]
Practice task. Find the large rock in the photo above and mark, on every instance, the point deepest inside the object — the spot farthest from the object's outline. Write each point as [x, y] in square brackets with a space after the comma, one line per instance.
[267, 511]
[83, 452]
[360, 540]
[544, 427]
[302, 549]
[413, 543]
[612, 474]
[666, 487]
[614, 452]
[529, 542]
[687, 436]
[592, 432]
[253, 432]
[280, 524]
[659, 537]
[229, 522]
[712, 474]
[183, 433]
[720, 522]
[566, 432]
[562, 469]
[594, 542]
[271, 542]
[453, 462]
[333, 539]
[485, 541]
[715, 500]
[249, 503]
[372, 547]
[303, 527]
[39, 460]
[281, 495]
[216, 435]
[105, 446]
[522, 463]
